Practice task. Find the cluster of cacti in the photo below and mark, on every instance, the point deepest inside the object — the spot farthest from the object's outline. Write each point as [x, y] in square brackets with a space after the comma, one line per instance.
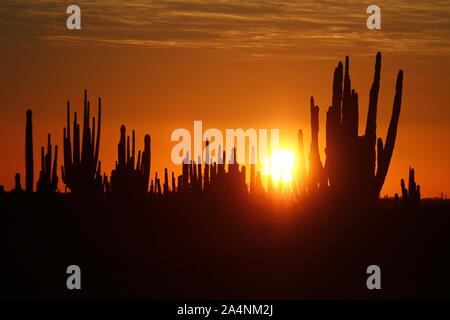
[195, 176]
[354, 170]
[411, 196]
[210, 177]
[191, 176]
[81, 170]
[355, 166]
[227, 181]
[155, 186]
[48, 178]
[131, 177]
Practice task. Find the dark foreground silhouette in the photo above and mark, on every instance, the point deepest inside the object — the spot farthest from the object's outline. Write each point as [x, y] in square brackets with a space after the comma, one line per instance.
[207, 234]
[169, 247]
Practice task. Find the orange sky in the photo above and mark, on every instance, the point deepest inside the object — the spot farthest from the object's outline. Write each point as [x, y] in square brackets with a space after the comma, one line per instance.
[160, 65]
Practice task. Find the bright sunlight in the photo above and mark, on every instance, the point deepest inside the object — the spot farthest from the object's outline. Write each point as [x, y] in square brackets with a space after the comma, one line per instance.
[280, 165]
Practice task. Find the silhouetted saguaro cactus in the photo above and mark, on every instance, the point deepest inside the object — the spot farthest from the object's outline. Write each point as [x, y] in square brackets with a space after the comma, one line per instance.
[81, 169]
[356, 166]
[29, 162]
[411, 196]
[48, 178]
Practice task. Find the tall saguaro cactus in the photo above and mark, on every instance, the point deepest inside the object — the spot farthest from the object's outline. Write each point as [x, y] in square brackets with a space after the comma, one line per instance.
[29, 164]
[81, 170]
[356, 166]
[353, 166]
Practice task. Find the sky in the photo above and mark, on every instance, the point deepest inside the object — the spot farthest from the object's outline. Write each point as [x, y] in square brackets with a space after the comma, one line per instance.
[160, 65]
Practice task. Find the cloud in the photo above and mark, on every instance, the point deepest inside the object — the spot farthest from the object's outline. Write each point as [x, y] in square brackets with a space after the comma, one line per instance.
[264, 27]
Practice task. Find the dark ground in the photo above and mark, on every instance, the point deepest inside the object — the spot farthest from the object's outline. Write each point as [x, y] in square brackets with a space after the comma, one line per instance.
[192, 247]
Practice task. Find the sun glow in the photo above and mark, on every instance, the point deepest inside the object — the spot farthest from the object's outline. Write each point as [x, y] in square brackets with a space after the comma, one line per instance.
[280, 165]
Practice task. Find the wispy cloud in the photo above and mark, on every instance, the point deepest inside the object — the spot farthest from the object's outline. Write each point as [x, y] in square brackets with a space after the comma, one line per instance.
[263, 26]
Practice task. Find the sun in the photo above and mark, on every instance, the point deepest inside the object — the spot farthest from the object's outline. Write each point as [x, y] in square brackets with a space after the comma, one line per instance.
[280, 165]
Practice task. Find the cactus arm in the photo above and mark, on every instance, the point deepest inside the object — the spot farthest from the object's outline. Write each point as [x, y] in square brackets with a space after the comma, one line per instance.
[301, 163]
[404, 191]
[54, 171]
[386, 152]
[337, 88]
[68, 120]
[355, 115]
[121, 147]
[371, 125]
[347, 101]
[84, 138]
[138, 165]
[48, 157]
[133, 150]
[29, 162]
[314, 125]
[69, 143]
[76, 140]
[92, 142]
[316, 168]
[99, 122]
[146, 160]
